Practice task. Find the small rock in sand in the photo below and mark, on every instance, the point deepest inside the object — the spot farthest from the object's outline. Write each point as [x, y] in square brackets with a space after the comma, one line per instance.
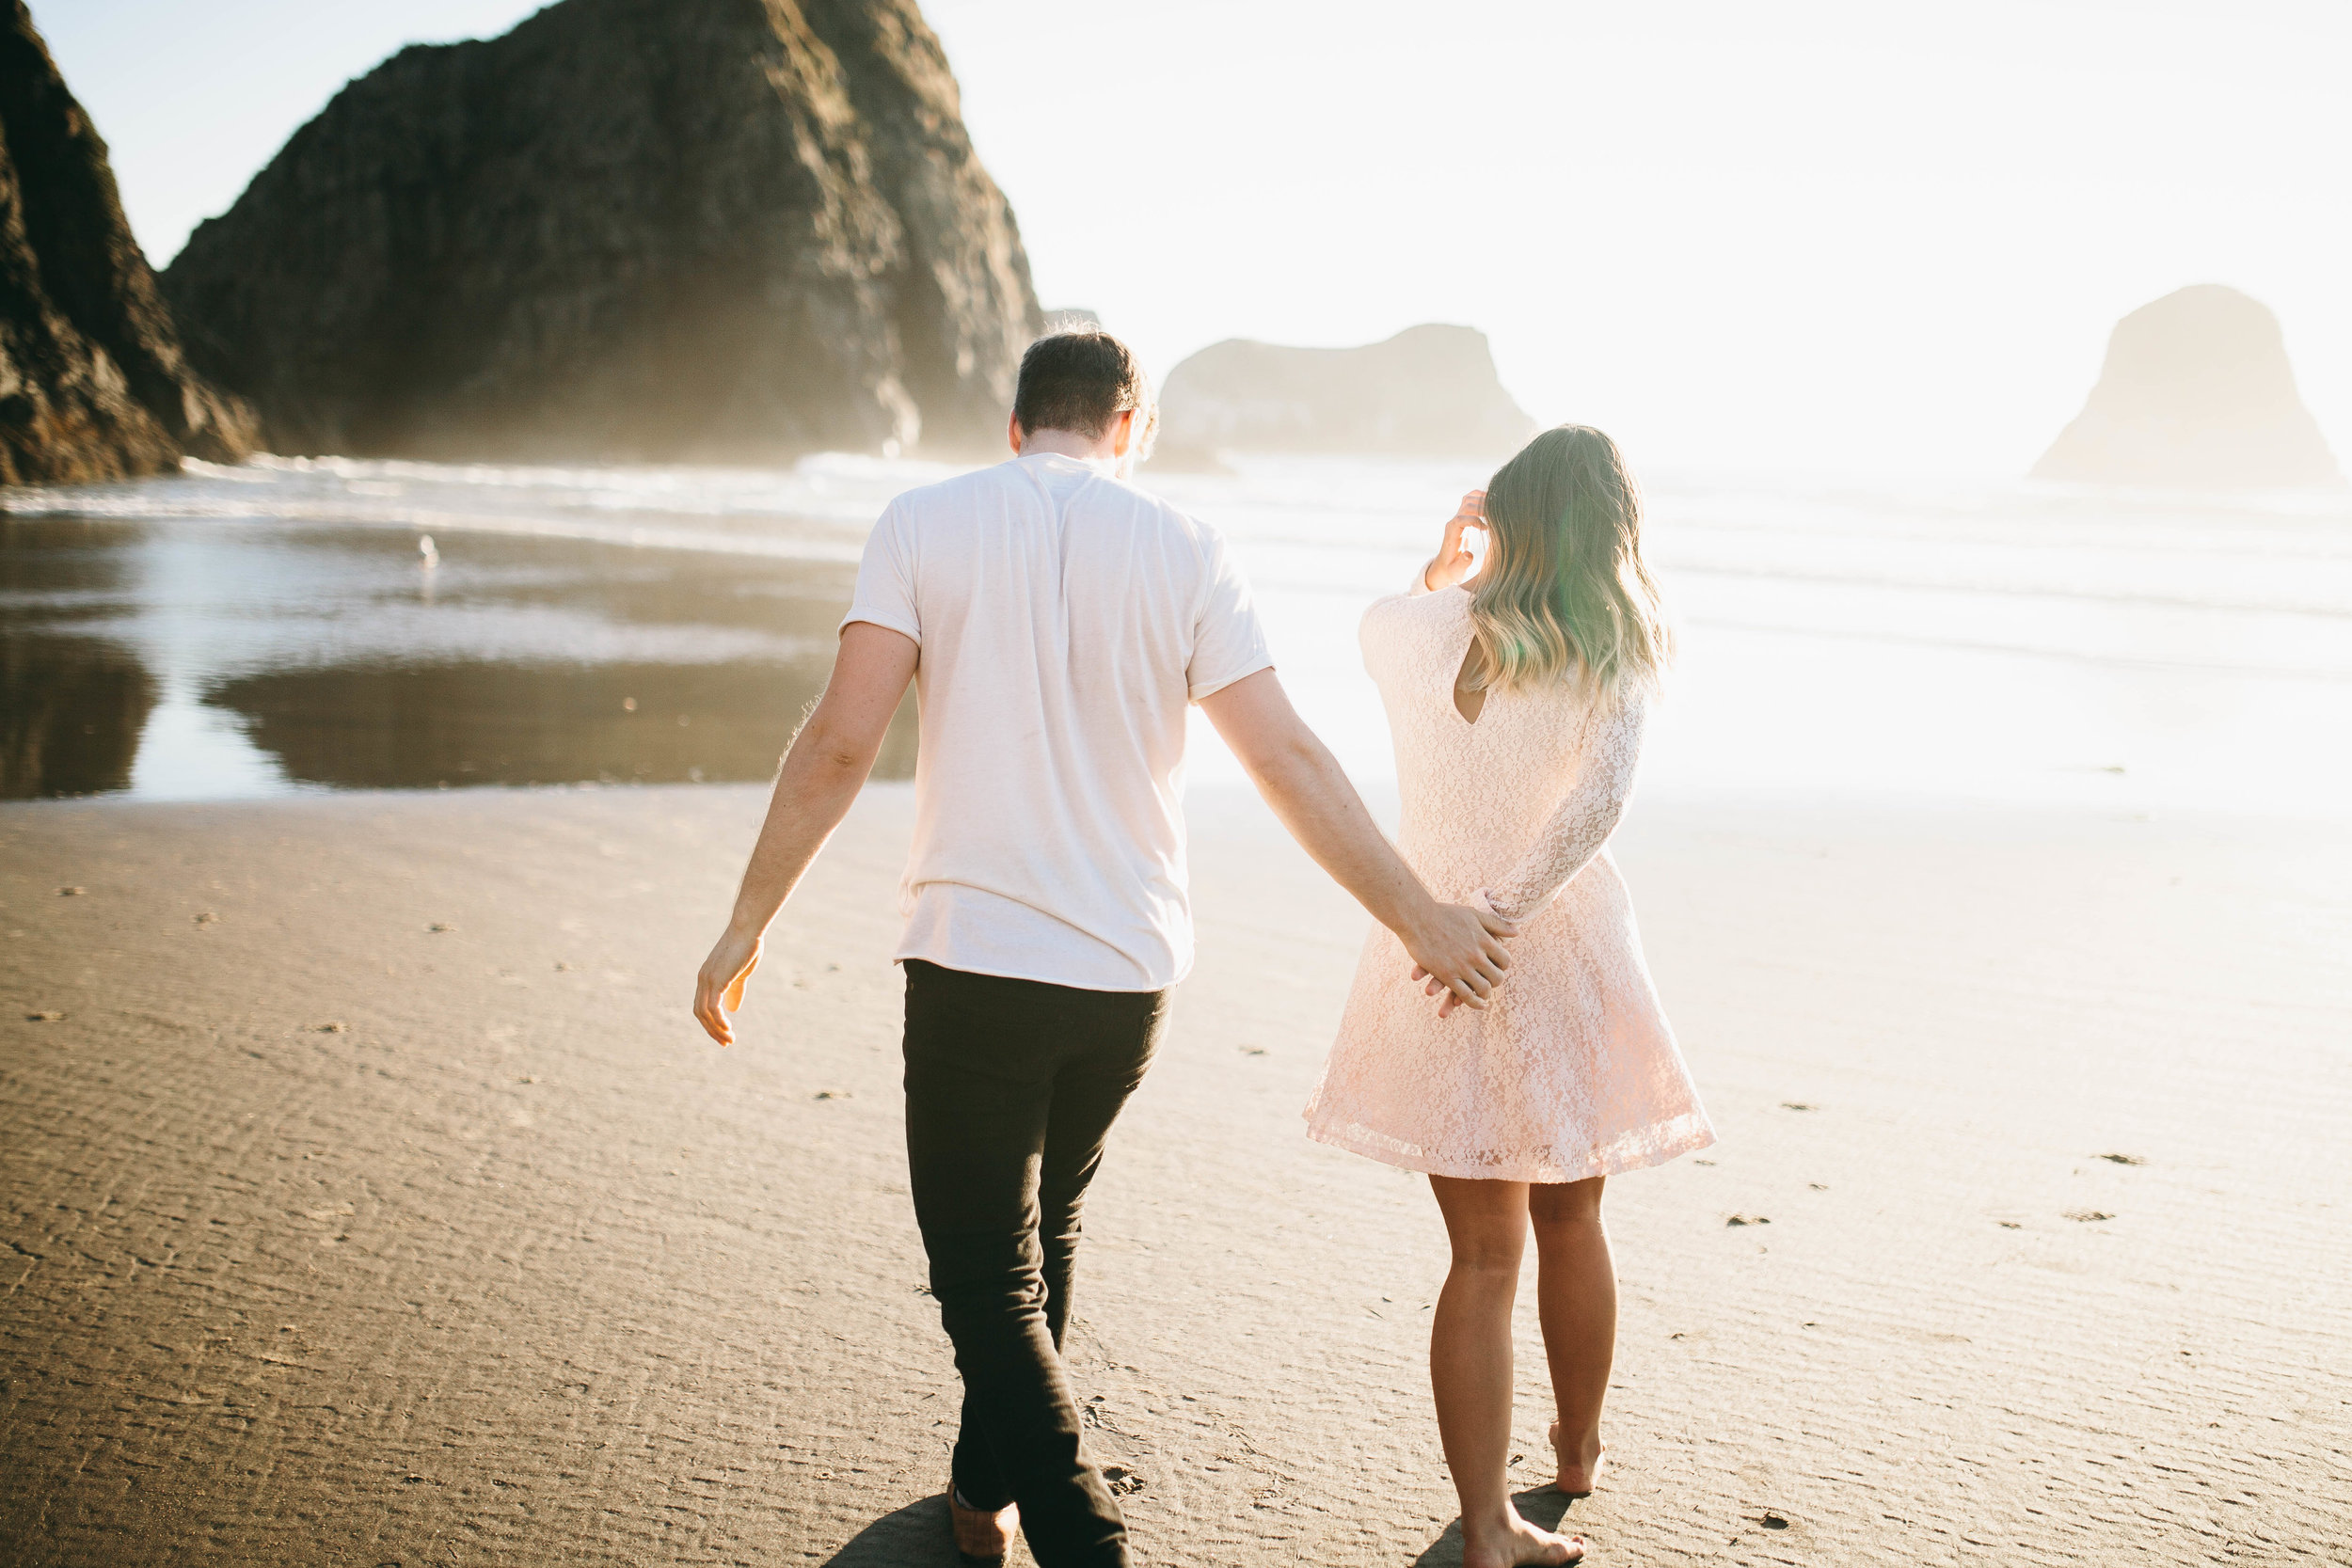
[72, 892]
[207, 918]
[2087, 1216]
[44, 1017]
[441, 926]
[2123, 1159]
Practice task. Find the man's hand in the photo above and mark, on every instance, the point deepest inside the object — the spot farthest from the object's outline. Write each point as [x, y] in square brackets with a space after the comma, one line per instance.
[719, 986]
[1458, 950]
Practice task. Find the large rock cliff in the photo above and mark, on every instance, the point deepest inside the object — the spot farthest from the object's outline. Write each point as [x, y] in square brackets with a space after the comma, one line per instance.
[2196, 393]
[630, 229]
[1429, 391]
[92, 384]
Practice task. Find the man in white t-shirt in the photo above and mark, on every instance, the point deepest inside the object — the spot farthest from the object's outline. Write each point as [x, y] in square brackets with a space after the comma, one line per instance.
[1056, 623]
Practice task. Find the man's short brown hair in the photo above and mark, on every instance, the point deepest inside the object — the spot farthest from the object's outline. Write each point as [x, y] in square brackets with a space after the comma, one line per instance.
[1081, 380]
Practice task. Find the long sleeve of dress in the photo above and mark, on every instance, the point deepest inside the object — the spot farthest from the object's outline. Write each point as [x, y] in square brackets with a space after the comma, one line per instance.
[1585, 818]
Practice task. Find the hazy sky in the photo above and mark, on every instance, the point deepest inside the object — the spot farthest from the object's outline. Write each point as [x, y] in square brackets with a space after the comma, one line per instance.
[1822, 235]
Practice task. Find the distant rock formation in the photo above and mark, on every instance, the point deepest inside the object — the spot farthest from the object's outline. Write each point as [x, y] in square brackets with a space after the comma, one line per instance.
[628, 229]
[92, 384]
[1429, 391]
[2196, 393]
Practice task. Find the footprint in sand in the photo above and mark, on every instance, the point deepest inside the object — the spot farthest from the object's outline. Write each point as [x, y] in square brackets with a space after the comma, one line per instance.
[2087, 1216]
[72, 892]
[1796, 1106]
[1747, 1219]
[2123, 1158]
[44, 1017]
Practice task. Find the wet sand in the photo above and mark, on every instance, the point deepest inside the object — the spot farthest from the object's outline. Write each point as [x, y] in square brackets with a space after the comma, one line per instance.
[208, 658]
[374, 1201]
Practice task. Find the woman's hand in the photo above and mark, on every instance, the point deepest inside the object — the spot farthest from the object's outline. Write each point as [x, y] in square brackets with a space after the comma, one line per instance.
[1452, 562]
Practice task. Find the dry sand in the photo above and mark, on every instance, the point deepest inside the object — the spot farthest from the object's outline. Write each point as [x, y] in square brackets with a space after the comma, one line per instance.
[334, 1236]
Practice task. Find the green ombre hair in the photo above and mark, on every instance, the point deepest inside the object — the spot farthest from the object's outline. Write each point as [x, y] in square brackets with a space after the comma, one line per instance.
[1564, 594]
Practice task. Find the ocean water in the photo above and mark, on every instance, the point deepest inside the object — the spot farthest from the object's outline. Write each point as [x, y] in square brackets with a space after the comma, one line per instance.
[275, 626]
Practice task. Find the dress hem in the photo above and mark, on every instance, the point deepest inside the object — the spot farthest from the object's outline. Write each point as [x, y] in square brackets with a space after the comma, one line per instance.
[1692, 1134]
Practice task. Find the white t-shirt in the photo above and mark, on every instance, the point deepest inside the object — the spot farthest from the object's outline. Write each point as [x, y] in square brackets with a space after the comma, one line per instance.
[1065, 619]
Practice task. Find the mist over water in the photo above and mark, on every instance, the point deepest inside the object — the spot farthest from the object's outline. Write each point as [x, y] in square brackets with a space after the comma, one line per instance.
[241, 631]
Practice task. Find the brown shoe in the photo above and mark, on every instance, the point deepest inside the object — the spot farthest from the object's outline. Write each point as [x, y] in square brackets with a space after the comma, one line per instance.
[984, 1534]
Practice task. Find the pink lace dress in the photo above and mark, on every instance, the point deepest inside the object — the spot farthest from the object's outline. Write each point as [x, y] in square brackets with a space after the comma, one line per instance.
[1572, 1070]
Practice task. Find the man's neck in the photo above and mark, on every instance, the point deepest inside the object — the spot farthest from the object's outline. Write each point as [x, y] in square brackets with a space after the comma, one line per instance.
[1069, 443]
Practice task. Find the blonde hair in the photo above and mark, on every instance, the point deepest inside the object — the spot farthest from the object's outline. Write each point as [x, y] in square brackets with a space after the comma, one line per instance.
[1564, 594]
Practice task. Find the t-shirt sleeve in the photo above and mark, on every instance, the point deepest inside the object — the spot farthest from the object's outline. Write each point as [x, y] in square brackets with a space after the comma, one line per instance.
[1227, 641]
[885, 579]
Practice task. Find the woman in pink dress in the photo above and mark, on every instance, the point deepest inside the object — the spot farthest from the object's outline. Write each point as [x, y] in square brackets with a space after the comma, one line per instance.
[1517, 701]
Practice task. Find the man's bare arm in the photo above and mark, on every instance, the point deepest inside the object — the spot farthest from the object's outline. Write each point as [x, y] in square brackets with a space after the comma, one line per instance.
[1460, 946]
[820, 777]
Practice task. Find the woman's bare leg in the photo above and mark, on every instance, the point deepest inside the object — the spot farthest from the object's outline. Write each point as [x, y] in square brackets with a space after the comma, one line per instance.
[1469, 1369]
[1576, 1294]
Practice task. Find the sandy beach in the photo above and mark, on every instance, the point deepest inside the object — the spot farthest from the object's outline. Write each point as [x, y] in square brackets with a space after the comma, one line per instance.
[373, 1201]
[440, 445]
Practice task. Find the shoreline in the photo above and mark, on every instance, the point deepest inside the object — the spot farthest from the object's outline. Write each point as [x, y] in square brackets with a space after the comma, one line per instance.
[512, 1265]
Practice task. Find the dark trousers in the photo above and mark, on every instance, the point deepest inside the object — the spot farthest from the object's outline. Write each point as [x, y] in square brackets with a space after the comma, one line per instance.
[1011, 1087]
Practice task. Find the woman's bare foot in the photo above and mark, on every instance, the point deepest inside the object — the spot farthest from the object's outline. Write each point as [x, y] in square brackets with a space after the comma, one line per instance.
[1511, 1540]
[1578, 1472]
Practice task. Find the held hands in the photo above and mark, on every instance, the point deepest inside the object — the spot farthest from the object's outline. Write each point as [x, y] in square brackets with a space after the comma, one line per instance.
[1452, 562]
[1458, 950]
[719, 985]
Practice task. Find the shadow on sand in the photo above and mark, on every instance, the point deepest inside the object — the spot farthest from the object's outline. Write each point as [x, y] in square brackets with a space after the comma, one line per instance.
[916, 1536]
[1544, 1507]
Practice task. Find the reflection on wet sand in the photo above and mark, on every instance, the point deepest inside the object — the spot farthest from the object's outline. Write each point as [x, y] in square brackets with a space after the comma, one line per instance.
[191, 658]
[70, 717]
[422, 726]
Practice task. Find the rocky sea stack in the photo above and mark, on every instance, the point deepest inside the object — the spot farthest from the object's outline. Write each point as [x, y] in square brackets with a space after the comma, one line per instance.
[690, 230]
[1429, 391]
[92, 384]
[2196, 393]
